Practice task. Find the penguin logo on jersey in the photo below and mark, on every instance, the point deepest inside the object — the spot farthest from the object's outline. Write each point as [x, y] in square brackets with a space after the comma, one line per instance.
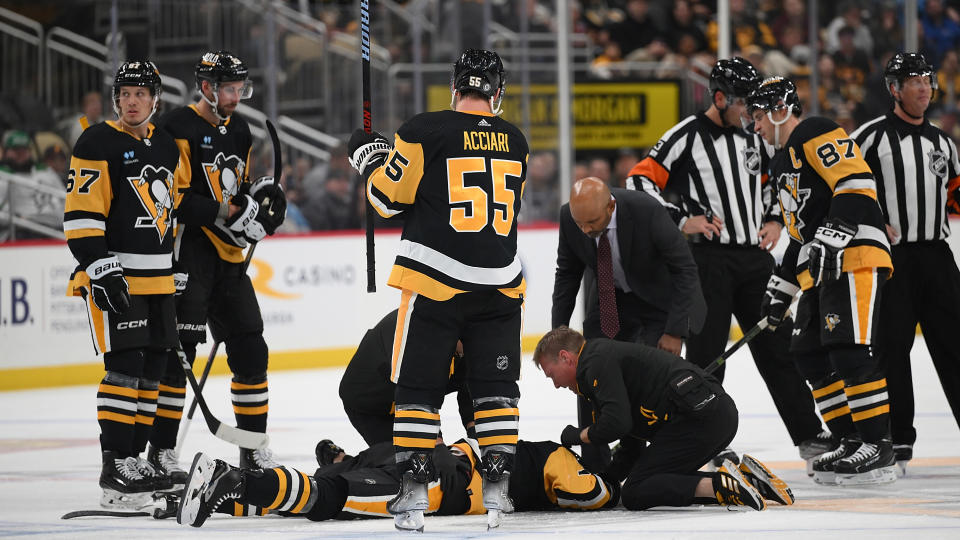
[223, 176]
[154, 189]
[792, 200]
[832, 320]
[751, 160]
[938, 162]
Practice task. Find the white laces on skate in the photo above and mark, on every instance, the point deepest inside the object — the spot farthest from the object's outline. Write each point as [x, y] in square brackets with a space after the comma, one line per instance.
[865, 451]
[128, 468]
[145, 467]
[168, 460]
[263, 457]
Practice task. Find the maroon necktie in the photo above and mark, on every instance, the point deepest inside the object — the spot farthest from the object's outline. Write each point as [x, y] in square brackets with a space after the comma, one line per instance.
[609, 320]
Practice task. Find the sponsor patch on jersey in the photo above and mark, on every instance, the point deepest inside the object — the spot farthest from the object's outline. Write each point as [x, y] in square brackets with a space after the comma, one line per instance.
[154, 189]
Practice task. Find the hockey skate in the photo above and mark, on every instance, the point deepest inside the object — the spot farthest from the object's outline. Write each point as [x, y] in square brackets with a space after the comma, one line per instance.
[408, 506]
[495, 467]
[261, 458]
[769, 485]
[903, 454]
[161, 480]
[872, 463]
[164, 461]
[210, 483]
[823, 465]
[124, 487]
[811, 448]
[732, 489]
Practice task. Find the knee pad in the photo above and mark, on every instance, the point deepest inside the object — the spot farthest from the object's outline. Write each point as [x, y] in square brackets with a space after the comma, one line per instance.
[121, 379]
[128, 362]
[247, 355]
[496, 464]
[855, 364]
[173, 374]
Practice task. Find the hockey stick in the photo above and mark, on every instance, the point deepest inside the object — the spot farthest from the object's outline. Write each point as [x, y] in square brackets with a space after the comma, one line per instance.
[277, 171]
[161, 506]
[237, 436]
[368, 127]
[749, 335]
[193, 406]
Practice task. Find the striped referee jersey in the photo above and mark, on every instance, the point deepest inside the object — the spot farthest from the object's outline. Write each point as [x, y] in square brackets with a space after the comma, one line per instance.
[699, 166]
[917, 172]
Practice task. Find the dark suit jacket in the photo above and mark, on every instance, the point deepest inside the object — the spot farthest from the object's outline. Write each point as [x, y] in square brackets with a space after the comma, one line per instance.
[656, 259]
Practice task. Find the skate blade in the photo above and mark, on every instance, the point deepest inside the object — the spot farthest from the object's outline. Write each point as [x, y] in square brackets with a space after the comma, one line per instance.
[902, 468]
[409, 521]
[810, 467]
[825, 478]
[196, 482]
[883, 475]
[494, 519]
[114, 500]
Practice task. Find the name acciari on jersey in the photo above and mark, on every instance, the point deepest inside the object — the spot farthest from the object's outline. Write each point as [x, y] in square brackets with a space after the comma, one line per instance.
[121, 196]
[215, 158]
[821, 174]
[462, 175]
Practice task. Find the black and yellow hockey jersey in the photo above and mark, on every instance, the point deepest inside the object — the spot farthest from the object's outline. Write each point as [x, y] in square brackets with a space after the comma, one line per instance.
[215, 158]
[121, 200]
[458, 178]
[820, 173]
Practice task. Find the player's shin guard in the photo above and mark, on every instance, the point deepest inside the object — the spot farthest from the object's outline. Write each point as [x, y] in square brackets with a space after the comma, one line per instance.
[172, 393]
[832, 404]
[116, 412]
[147, 394]
[415, 430]
[250, 401]
[497, 424]
[866, 392]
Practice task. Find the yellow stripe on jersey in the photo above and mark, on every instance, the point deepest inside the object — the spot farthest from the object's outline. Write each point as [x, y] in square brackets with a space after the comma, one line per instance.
[857, 257]
[407, 279]
[835, 156]
[184, 169]
[227, 252]
[562, 473]
[90, 189]
[399, 178]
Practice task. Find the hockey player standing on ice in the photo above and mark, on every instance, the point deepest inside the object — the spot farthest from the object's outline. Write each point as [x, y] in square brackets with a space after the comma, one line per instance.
[839, 257]
[220, 215]
[715, 170]
[546, 476]
[670, 417]
[918, 177]
[118, 222]
[456, 177]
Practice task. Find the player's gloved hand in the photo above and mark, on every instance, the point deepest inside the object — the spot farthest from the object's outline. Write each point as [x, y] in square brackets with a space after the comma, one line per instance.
[446, 464]
[571, 436]
[326, 451]
[826, 251]
[108, 286]
[367, 151]
[776, 300]
[269, 195]
[249, 220]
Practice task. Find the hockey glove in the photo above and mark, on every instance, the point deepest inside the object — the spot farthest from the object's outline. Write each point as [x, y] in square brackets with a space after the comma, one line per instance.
[270, 195]
[367, 151]
[108, 286]
[825, 253]
[250, 220]
[571, 436]
[446, 464]
[776, 300]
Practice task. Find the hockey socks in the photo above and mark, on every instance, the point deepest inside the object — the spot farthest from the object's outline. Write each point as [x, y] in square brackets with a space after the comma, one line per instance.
[832, 404]
[117, 399]
[250, 402]
[147, 394]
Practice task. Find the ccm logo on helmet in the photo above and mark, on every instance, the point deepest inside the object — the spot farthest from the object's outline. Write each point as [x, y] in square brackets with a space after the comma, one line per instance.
[127, 325]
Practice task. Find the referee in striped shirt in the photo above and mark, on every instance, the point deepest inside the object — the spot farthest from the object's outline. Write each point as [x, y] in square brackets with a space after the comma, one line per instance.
[918, 176]
[712, 172]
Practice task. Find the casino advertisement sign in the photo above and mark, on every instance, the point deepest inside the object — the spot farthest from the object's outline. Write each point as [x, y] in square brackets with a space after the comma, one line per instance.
[606, 115]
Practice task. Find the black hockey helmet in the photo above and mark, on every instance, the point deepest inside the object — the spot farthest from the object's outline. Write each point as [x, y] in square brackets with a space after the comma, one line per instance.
[220, 66]
[774, 93]
[735, 77]
[905, 65]
[479, 70]
[137, 73]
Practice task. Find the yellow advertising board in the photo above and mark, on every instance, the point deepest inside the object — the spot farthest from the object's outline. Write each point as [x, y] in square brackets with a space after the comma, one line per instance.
[606, 115]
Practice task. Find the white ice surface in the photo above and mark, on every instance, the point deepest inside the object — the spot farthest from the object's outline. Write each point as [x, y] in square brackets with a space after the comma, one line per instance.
[49, 463]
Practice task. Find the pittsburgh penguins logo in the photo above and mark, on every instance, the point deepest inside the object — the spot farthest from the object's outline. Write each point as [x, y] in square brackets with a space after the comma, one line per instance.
[223, 176]
[154, 189]
[832, 320]
[751, 160]
[938, 162]
[792, 200]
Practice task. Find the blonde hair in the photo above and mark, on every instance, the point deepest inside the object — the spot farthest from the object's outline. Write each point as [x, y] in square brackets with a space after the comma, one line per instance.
[554, 341]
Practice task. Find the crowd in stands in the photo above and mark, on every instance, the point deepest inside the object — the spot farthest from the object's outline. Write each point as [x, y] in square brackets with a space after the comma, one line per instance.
[629, 38]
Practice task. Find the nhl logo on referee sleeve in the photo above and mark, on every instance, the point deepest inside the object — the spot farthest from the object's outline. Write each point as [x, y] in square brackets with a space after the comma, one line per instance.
[938, 162]
[751, 160]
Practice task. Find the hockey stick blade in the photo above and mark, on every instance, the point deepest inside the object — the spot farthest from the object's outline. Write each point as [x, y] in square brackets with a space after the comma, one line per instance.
[233, 435]
[103, 513]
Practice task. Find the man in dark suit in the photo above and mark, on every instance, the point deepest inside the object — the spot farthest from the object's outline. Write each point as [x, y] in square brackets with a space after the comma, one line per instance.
[647, 289]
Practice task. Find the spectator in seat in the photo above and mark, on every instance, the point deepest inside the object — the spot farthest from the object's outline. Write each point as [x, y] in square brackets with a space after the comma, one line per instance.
[37, 206]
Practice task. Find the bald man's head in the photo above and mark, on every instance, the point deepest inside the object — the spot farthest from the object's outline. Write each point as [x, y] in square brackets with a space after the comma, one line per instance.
[591, 206]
